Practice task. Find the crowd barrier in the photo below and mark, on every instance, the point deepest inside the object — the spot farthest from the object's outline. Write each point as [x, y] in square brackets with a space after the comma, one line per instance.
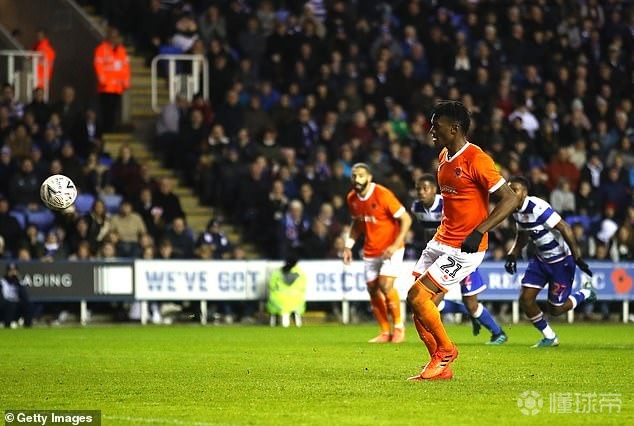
[232, 280]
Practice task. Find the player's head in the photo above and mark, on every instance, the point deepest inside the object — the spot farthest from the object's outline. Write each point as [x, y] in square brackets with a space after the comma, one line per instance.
[361, 177]
[426, 188]
[519, 185]
[449, 121]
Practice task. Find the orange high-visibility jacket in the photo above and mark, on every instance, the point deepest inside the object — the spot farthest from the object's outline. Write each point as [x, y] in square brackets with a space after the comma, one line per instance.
[44, 73]
[112, 68]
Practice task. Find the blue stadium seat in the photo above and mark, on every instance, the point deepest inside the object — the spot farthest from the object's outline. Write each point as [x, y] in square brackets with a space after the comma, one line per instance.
[42, 219]
[19, 216]
[112, 202]
[84, 202]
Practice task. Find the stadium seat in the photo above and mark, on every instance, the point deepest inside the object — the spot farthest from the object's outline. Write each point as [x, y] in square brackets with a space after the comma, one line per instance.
[19, 216]
[84, 202]
[112, 202]
[42, 219]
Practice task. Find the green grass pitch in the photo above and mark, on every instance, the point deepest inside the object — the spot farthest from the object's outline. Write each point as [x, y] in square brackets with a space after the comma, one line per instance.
[315, 375]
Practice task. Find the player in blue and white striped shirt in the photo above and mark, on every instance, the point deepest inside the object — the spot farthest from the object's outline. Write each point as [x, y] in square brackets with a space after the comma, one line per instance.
[428, 211]
[553, 264]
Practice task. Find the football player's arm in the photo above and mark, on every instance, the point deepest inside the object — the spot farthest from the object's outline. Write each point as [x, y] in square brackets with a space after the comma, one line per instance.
[508, 202]
[566, 232]
[406, 222]
[521, 239]
[350, 241]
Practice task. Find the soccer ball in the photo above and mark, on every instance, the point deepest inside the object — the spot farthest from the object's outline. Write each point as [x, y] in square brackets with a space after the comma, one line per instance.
[58, 192]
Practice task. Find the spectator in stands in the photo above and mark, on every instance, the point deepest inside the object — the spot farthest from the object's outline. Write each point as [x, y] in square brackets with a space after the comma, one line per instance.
[252, 42]
[54, 247]
[562, 199]
[186, 30]
[7, 169]
[87, 134]
[151, 213]
[14, 106]
[310, 200]
[315, 242]
[68, 110]
[165, 249]
[82, 252]
[107, 251]
[493, 71]
[24, 187]
[78, 234]
[113, 77]
[293, 225]
[71, 164]
[125, 173]
[168, 201]
[129, 226]
[99, 221]
[216, 239]
[19, 142]
[560, 166]
[34, 242]
[212, 25]
[40, 109]
[302, 134]
[251, 195]
[615, 192]
[10, 228]
[181, 238]
[169, 123]
[92, 175]
[153, 29]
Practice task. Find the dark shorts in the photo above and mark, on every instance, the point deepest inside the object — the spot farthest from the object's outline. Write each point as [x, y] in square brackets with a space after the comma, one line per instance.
[473, 284]
[559, 277]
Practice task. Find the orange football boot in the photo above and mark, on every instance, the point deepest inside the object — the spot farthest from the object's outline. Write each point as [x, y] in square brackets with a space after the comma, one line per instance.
[439, 362]
[381, 338]
[398, 336]
[447, 374]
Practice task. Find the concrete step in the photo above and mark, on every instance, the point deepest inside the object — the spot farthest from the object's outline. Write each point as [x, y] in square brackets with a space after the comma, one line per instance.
[142, 114]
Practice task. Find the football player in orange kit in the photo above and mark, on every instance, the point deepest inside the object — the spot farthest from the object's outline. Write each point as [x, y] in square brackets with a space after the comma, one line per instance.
[466, 176]
[380, 216]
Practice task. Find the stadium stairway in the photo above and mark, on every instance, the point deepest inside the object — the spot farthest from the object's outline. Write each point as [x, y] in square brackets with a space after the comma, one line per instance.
[139, 128]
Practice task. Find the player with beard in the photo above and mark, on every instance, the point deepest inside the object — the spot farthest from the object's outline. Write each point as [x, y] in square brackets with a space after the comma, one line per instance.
[383, 220]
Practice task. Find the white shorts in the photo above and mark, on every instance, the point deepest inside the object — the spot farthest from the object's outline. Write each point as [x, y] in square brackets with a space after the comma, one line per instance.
[446, 265]
[377, 266]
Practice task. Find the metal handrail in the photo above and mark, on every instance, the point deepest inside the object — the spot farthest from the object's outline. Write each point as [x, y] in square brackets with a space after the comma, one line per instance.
[175, 85]
[32, 79]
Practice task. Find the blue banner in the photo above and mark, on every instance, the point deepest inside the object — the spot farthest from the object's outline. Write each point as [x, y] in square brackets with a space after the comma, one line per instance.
[612, 281]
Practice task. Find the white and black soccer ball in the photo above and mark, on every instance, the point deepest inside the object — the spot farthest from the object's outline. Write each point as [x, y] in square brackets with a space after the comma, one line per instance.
[58, 192]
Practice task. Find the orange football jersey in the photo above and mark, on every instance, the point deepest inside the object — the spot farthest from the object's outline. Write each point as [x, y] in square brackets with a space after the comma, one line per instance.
[377, 214]
[465, 181]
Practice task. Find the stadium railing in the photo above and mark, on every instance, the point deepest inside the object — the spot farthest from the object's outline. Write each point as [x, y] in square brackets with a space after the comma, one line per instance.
[180, 82]
[239, 280]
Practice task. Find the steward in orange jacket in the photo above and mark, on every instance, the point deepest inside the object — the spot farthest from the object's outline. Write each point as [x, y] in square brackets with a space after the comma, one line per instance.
[112, 65]
[43, 46]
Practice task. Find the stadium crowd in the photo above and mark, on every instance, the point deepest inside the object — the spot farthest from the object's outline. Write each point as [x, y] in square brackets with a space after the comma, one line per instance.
[301, 90]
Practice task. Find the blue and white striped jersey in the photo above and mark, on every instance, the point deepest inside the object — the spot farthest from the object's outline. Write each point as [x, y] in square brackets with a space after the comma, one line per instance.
[538, 218]
[428, 218]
